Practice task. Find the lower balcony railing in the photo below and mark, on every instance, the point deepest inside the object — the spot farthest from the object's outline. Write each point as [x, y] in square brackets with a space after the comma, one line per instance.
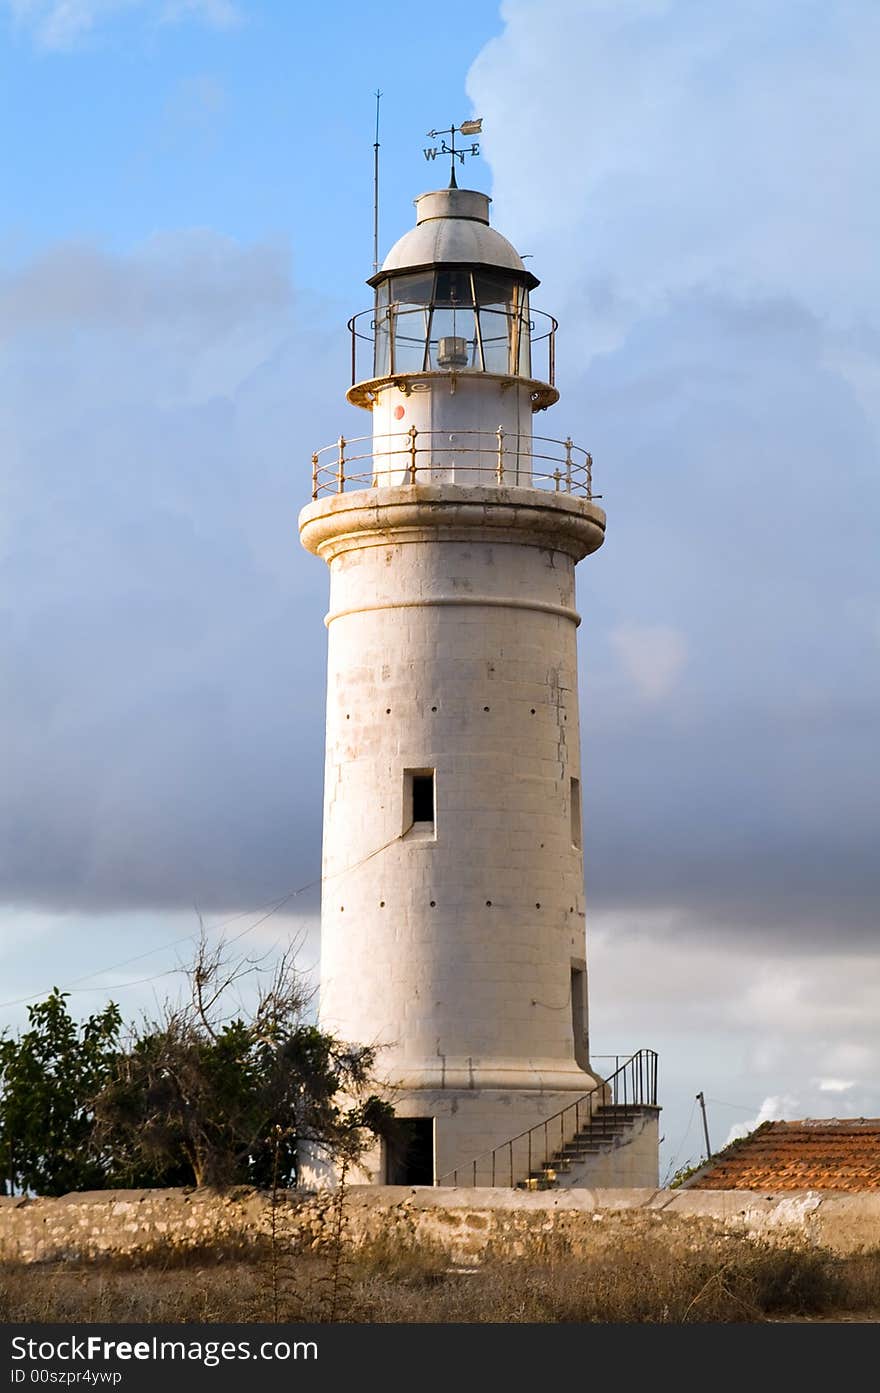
[464, 457]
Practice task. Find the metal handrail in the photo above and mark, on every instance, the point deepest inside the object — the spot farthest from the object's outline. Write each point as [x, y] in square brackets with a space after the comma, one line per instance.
[637, 1075]
[399, 311]
[510, 453]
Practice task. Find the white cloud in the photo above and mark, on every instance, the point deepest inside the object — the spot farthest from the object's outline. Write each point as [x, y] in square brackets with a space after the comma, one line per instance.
[653, 147]
[834, 1085]
[61, 24]
[776, 1108]
[219, 14]
[653, 656]
[691, 185]
[857, 1057]
[658, 980]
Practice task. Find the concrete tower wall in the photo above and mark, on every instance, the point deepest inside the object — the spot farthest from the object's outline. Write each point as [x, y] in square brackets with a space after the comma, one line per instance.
[457, 421]
[452, 650]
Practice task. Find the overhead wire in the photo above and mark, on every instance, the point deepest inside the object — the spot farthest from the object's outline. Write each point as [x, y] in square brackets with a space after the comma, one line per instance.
[670, 1170]
[739, 1107]
[275, 905]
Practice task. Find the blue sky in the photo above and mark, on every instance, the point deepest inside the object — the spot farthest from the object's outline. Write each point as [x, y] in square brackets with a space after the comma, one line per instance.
[159, 116]
[187, 226]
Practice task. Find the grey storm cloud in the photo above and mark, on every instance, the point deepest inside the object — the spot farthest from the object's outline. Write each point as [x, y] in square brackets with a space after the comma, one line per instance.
[197, 281]
[738, 469]
[692, 188]
[163, 652]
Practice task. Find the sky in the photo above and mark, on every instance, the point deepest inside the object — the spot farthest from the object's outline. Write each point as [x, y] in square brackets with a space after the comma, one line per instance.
[186, 228]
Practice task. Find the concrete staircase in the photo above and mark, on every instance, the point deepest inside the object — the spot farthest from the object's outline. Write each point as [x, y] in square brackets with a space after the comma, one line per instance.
[580, 1160]
[614, 1145]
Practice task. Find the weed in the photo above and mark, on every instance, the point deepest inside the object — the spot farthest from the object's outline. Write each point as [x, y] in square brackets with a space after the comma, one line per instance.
[396, 1277]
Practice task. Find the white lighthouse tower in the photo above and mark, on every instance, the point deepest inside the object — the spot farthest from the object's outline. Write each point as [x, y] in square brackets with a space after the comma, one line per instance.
[452, 922]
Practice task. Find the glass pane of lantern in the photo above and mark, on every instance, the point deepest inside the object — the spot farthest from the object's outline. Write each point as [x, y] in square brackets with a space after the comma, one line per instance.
[410, 333]
[494, 291]
[525, 344]
[495, 331]
[453, 345]
[453, 288]
[413, 290]
[382, 343]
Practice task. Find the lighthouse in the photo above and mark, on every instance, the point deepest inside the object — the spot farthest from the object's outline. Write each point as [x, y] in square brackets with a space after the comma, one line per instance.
[452, 918]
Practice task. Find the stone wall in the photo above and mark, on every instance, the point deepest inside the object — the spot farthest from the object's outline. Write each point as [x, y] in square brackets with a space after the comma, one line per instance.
[464, 1222]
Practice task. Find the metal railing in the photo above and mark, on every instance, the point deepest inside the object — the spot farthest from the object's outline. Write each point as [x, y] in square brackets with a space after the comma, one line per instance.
[633, 1084]
[463, 456]
[405, 338]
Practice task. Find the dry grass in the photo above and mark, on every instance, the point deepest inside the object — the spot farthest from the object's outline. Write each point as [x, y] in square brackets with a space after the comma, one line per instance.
[390, 1280]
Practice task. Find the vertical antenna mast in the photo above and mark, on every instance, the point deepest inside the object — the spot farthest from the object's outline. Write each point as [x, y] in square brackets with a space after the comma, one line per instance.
[376, 190]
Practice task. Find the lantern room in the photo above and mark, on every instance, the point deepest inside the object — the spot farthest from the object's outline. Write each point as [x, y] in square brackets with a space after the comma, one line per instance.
[452, 359]
[452, 318]
[451, 297]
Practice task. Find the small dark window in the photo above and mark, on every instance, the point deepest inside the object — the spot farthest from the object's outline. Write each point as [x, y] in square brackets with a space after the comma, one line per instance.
[423, 798]
[576, 812]
[579, 1014]
[419, 807]
[409, 1159]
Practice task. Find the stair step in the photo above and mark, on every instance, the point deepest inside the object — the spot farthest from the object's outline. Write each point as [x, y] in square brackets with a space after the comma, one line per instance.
[606, 1131]
[591, 1140]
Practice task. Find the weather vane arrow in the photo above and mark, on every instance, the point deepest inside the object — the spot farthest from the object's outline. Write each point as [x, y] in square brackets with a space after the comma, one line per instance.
[466, 128]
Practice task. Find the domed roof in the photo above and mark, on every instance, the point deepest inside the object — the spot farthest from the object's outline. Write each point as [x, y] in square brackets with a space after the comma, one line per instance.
[452, 227]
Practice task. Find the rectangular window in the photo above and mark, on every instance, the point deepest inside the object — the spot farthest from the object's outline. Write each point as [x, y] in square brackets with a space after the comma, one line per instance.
[419, 803]
[579, 1013]
[576, 813]
[423, 798]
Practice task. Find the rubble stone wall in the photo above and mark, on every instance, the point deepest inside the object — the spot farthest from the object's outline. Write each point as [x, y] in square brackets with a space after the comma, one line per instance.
[465, 1222]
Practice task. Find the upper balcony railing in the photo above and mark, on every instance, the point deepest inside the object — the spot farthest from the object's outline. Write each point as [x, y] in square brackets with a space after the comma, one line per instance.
[466, 457]
[402, 338]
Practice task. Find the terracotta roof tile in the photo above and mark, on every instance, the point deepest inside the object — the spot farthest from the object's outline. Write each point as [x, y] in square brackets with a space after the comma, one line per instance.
[813, 1154]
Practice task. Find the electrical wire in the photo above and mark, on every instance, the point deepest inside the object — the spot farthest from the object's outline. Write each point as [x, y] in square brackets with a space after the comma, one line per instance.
[670, 1170]
[139, 957]
[275, 905]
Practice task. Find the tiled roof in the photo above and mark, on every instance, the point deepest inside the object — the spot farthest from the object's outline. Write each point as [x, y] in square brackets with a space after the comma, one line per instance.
[815, 1154]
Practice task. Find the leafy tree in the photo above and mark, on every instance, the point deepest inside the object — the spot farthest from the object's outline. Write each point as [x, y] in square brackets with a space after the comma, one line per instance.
[48, 1077]
[230, 1099]
[204, 1096]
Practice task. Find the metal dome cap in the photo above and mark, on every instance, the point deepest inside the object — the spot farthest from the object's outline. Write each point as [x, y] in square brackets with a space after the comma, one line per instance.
[452, 228]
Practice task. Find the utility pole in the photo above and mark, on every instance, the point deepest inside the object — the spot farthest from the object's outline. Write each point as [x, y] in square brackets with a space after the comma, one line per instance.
[702, 1102]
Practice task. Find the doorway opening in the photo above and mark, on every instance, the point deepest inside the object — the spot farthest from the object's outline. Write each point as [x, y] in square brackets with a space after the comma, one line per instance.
[410, 1159]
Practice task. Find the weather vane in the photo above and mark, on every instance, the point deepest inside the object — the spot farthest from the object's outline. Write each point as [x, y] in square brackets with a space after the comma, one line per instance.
[466, 128]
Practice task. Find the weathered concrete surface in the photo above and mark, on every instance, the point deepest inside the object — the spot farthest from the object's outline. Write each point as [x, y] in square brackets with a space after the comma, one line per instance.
[452, 654]
[466, 1223]
[631, 1160]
